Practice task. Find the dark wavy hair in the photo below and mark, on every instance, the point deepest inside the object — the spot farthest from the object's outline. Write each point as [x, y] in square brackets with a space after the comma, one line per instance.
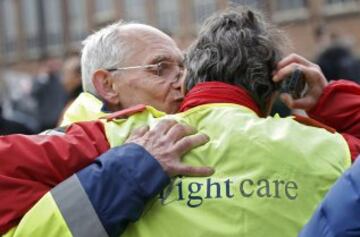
[238, 47]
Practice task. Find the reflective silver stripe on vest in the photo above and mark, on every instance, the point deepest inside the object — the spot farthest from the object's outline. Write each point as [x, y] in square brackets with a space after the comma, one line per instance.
[77, 209]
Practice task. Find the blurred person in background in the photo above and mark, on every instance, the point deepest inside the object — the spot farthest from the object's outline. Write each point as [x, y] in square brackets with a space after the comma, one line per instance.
[55, 87]
[49, 94]
[35, 103]
[71, 80]
[266, 151]
[17, 103]
[336, 58]
[8, 126]
[72, 77]
[338, 62]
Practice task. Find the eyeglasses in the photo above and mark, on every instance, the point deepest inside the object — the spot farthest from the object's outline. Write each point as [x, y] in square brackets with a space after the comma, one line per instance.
[163, 69]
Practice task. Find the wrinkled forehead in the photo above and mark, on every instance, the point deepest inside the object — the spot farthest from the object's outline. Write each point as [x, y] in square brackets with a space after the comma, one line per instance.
[164, 56]
[152, 46]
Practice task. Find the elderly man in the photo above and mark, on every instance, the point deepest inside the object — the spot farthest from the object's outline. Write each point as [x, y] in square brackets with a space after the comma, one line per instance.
[125, 65]
[270, 172]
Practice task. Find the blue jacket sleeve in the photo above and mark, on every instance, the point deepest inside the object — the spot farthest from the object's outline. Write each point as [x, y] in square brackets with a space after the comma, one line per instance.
[108, 194]
[119, 183]
[339, 213]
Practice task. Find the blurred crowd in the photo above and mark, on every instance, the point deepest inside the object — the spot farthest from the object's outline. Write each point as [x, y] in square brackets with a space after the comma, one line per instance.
[33, 103]
[30, 104]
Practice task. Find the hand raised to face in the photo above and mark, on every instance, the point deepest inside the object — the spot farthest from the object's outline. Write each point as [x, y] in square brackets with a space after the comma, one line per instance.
[313, 76]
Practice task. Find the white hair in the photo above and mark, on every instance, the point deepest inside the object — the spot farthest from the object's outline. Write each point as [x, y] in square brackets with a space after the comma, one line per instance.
[105, 48]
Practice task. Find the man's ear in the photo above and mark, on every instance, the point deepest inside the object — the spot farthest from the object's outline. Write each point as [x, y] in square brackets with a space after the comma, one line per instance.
[104, 86]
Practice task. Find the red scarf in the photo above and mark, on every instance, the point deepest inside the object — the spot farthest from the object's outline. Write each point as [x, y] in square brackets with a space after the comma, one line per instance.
[218, 92]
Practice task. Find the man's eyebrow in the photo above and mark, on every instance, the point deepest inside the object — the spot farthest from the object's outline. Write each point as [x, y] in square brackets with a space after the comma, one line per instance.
[161, 58]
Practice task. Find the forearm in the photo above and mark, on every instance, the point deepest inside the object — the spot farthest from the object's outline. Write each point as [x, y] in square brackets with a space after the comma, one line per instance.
[339, 108]
[109, 193]
[32, 165]
[119, 184]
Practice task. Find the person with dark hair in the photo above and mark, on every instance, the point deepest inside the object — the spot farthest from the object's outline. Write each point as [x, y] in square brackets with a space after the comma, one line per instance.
[270, 172]
[338, 62]
[49, 94]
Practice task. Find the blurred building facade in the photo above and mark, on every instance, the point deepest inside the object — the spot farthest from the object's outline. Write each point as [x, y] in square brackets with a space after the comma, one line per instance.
[35, 29]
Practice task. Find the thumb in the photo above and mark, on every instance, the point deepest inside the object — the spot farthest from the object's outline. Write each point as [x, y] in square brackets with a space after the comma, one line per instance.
[193, 171]
[305, 103]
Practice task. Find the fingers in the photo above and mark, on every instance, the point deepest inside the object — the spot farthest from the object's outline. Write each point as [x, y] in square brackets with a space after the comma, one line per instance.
[311, 74]
[164, 125]
[192, 171]
[314, 78]
[138, 132]
[293, 58]
[303, 103]
[179, 131]
[287, 70]
[168, 142]
[190, 142]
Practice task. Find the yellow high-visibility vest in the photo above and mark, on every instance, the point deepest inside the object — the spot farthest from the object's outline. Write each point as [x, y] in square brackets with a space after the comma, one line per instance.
[270, 175]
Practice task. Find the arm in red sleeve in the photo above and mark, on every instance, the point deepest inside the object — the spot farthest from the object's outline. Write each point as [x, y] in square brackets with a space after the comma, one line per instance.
[31, 165]
[339, 107]
[354, 145]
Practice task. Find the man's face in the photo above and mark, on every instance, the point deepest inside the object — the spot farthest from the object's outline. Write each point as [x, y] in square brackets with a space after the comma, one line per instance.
[159, 87]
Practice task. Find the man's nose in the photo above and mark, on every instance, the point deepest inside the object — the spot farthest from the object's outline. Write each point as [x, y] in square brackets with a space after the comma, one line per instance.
[177, 84]
[180, 79]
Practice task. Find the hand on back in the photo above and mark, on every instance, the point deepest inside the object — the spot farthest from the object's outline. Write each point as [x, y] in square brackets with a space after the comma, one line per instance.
[167, 142]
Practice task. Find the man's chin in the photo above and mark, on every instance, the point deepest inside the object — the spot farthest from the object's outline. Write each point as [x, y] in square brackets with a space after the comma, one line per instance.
[173, 108]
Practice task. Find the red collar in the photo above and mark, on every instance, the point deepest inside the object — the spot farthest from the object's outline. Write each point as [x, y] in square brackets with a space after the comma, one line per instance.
[218, 92]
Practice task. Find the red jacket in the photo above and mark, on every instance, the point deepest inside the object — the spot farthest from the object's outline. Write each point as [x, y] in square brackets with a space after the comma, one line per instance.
[339, 107]
[31, 165]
